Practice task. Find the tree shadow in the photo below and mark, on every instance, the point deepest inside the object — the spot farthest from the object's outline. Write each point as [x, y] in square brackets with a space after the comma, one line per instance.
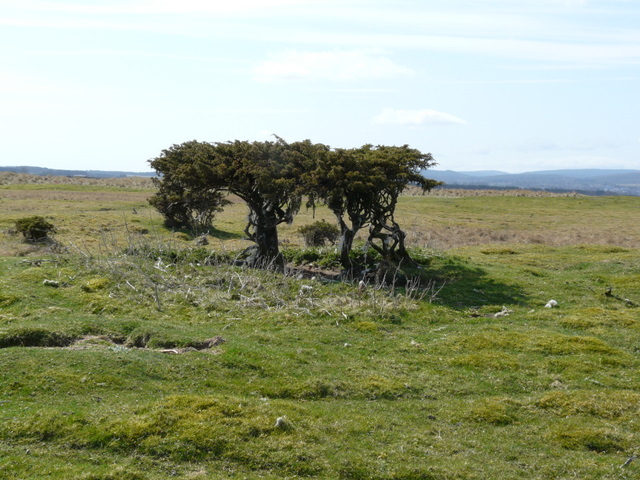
[223, 235]
[211, 231]
[468, 286]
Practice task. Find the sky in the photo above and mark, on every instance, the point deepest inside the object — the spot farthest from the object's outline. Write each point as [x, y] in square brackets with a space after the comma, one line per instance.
[509, 85]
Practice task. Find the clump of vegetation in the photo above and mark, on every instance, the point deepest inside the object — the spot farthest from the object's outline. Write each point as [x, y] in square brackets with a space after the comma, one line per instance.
[95, 284]
[318, 233]
[181, 198]
[35, 229]
[361, 187]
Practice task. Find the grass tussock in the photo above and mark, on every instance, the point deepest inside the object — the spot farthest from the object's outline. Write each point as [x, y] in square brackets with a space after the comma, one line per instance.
[584, 437]
[494, 411]
[608, 405]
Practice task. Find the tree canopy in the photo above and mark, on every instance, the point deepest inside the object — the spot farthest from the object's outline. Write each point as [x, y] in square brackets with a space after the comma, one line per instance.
[185, 198]
[267, 176]
[360, 186]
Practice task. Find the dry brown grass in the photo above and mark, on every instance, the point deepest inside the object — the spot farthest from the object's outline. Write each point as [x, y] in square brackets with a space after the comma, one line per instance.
[464, 192]
[94, 213]
[11, 178]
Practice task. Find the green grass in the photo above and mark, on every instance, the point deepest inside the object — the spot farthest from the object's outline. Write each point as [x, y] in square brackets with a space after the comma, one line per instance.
[108, 375]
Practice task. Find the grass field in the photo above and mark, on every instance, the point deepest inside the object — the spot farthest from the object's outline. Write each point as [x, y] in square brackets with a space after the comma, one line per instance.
[158, 364]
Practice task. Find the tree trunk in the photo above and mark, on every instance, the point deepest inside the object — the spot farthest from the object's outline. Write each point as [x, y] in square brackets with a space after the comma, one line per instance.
[392, 242]
[346, 243]
[400, 254]
[263, 230]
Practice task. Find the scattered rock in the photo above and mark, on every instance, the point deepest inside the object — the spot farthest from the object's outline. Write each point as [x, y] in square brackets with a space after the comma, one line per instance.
[502, 313]
[213, 342]
[283, 424]
[305, 289]
[51, 283]
[201, 241]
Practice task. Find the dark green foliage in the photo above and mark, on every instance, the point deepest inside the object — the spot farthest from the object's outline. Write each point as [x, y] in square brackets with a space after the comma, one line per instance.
[34, 228]
[364, 258]
[361, 186]
[317, 233]
[184, 198]
[266, 175]
[303, 256]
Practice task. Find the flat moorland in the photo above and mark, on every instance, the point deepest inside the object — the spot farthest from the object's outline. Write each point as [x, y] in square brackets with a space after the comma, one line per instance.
[127, 352]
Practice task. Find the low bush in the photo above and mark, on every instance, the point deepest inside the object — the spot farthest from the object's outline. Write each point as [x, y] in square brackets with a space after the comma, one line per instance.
[34, 228]
[317, 233]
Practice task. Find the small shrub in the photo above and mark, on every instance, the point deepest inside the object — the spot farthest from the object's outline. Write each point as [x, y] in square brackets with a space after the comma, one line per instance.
[95, 284]
[301, 257]
[495, 411]
[34, 228]
[316, 234]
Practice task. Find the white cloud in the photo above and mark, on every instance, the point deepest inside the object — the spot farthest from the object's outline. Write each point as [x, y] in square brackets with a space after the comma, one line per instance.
[391, 116]
[539, 30]
[332, 66]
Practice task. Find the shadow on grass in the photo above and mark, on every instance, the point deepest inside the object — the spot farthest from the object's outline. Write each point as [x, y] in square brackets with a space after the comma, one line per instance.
[467, 286]
[212, 231]
[222, 235]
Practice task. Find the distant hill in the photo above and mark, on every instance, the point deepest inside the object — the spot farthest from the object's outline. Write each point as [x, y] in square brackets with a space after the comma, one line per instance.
[590, 181]
[75, 173]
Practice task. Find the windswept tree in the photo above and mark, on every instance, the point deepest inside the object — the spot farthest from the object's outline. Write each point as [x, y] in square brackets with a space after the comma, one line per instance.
[261, 174]
[268, 177]
[361, 187]
[400, 167]
[342, 182]
[184, 197]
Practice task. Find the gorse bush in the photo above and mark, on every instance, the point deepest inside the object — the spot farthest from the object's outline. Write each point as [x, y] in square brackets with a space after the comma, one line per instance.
[316, 234]
[34, 228]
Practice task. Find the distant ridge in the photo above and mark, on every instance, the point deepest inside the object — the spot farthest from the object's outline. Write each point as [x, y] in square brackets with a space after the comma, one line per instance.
[74, 173]
[589, 181]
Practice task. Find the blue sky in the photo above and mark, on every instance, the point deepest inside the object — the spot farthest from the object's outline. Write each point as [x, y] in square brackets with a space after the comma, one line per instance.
[512, 85]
